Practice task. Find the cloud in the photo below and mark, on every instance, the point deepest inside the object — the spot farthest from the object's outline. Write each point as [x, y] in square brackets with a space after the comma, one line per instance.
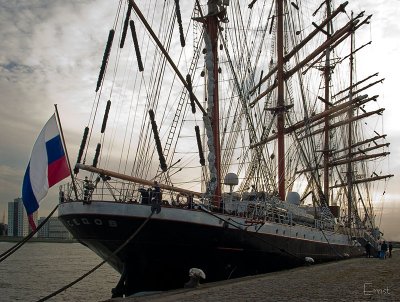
[389, 222]
[9, 180]
[51, 52]
[44, 59]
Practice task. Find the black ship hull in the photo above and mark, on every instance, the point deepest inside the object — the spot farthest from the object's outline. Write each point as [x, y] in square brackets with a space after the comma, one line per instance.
[175, 240]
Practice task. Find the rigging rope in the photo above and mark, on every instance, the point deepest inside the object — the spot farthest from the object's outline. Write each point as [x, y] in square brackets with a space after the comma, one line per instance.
[105, 118]
[100, 79]
[119, 111]
[101, 263]
[136, 44]
[125, 28]
[106, 55]
[142, 165]
[333, 249]
[82, 148]
[163, 164]
[179, 18]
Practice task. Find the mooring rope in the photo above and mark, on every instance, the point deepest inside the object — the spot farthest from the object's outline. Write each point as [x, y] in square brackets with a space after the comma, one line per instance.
[15, 247]
[331, 246]
[101, 263]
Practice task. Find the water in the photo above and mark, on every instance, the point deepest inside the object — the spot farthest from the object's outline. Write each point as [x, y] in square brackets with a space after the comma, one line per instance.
[39, 269]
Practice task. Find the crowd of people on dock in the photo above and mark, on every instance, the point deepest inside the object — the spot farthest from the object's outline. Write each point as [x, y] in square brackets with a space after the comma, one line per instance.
[384, 250]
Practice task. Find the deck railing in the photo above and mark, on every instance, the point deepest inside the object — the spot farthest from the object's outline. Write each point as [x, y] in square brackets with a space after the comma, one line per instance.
[254, 211]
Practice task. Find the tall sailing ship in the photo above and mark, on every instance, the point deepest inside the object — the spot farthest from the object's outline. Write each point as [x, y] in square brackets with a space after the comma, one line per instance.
[234, 139]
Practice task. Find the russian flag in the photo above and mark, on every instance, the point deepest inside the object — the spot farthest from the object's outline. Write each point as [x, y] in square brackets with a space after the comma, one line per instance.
[47, 166]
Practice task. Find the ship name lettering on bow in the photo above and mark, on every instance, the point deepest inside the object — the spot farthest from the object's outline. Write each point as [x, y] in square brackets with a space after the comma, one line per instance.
[90, 221]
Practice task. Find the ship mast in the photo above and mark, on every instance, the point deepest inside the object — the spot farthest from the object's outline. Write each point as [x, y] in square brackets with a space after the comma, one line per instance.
[350, 136]
[280, 101]
[212, 24]
[327, 71]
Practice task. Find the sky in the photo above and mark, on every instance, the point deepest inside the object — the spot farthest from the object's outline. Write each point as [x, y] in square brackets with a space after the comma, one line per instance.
[50, 54]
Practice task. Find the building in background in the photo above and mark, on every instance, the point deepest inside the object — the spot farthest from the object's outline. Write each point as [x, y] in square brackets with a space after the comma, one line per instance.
[3, 225]
[53, 229]
[3, 229]
[18, 224]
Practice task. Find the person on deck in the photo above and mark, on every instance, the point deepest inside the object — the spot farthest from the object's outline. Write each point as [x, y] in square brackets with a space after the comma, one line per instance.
[145, 195]
[368, 249]
[87, 190]
[253, 193]
[157, 192]
[384, 249]
[190, 203]
[390, 249]
[379, 249]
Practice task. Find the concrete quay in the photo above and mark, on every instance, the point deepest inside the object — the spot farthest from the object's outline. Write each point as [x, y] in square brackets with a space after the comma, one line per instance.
[359, 279]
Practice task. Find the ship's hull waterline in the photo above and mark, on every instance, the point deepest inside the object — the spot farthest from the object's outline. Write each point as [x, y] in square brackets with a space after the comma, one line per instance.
[175, 240]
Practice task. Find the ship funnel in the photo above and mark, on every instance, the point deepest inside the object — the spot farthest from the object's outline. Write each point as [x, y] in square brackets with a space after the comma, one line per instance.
[293, 198]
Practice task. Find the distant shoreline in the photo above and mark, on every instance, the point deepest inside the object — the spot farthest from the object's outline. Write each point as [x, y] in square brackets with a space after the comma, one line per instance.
[50, 240]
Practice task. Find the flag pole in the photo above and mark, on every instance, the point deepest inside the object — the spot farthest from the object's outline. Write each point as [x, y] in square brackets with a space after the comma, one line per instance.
[66, 153]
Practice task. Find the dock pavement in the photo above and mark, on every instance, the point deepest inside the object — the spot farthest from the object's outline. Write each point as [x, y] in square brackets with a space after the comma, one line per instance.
[358, 279]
